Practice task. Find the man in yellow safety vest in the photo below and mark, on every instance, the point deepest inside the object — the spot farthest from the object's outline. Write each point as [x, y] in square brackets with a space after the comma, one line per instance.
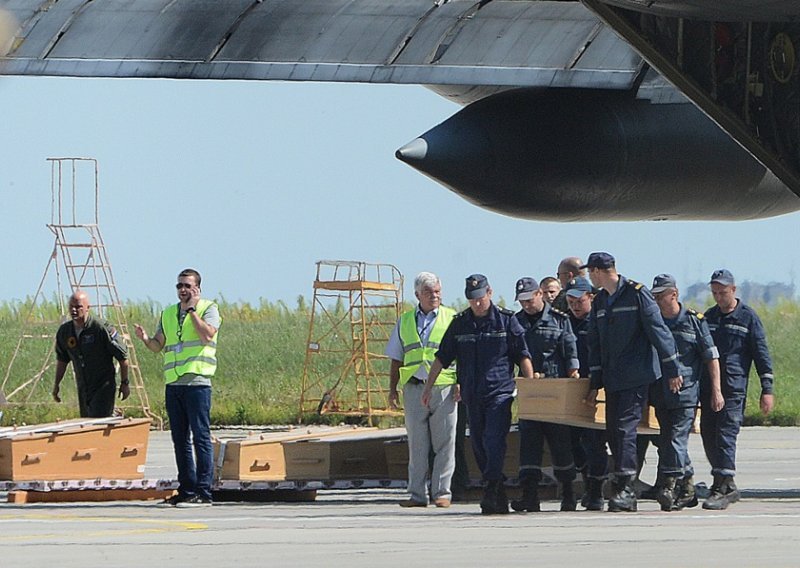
[412, 348]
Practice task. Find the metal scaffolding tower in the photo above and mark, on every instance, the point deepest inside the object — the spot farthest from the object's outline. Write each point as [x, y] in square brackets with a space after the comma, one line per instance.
[356, 305]
[80, 254]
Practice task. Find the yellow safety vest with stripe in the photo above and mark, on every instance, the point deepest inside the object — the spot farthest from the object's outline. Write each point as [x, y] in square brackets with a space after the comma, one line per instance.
[184, 353]
[415, 354]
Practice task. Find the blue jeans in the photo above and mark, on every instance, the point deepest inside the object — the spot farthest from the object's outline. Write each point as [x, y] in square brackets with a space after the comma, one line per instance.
[673, 445]
[189, 412]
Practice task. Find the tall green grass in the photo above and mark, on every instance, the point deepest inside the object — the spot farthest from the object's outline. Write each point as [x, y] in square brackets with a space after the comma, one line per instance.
[261, 356]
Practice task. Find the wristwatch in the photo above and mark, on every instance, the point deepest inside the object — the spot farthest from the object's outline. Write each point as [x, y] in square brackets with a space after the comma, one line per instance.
[190, 309]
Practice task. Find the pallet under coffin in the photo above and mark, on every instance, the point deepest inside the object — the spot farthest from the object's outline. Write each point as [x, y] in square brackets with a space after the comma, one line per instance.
[87, 448]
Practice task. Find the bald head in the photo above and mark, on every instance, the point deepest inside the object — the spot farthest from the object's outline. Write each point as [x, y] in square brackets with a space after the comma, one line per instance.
[79, 306]
[570, 268]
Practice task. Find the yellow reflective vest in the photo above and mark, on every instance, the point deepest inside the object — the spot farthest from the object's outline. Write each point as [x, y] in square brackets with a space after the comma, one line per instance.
[184, 353]
[415, 354]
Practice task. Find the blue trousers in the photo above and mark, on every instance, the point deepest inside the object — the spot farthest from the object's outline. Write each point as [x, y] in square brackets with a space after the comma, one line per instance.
[489, 422]
[673, 447]
[719, 431]
[623, 413]
[189, 412]
[594, 444]
[532, 435]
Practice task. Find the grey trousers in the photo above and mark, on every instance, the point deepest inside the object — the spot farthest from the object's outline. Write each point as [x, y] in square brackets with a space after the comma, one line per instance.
[429, 429]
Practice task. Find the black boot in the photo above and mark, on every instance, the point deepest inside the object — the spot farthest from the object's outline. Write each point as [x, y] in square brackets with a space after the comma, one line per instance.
[723, 493]
[687, 497]
[585, 496]
[501, 503]
[594, 495]
[623, 499]
[489, 500]
[568, 502]
[667, 493]
[529, 501]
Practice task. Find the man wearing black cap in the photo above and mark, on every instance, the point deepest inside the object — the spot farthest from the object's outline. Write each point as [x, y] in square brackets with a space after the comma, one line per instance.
[579, 295]
[739, 335]
[549, 337]
[675, 408]
[486, 341]
[629, 348]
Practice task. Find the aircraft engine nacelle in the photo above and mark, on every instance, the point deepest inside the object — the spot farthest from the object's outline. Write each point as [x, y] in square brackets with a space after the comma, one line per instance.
[583, 155]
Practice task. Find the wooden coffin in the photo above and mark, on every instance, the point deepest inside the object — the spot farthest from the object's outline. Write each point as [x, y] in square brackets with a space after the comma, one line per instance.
[87, 448]
[353, 455]
[396, 458]
[554, 400]
[261, 457]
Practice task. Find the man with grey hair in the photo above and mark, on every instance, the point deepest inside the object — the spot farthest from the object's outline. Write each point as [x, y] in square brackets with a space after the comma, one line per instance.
[412, 349]
[568, 269]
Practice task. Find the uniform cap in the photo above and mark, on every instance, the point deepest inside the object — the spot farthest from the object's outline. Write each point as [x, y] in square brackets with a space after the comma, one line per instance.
[525, 289]
[663, 282]
[577, 287]
[600, 260]
[477, 286]
[723, 276]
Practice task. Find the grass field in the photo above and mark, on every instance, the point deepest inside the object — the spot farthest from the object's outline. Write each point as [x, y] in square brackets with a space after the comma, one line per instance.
[261, 357]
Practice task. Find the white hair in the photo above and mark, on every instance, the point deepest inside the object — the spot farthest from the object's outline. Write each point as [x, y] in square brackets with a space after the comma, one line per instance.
[425, 280]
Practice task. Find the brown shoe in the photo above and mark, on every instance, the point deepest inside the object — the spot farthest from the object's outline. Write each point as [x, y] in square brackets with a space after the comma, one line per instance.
[442, 502]
[411, 503]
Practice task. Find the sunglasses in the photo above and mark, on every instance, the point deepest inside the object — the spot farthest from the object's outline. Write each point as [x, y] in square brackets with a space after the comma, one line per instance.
[180, 285]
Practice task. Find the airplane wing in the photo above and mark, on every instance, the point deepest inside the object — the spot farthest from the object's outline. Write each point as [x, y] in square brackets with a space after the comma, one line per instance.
[502, 43]
[589, 130]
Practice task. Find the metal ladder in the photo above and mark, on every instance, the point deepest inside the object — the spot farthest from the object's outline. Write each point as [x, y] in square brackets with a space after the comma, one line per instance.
[80, 253]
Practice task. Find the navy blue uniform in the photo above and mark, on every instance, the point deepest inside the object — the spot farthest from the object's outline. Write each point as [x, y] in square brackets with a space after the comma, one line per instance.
[593, 441]
[629, 346]
[487, 349]
[675, 411]
[741, 341]
[554, 352]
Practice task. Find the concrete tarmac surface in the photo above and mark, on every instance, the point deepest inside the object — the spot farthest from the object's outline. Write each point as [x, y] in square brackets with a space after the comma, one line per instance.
[366, 527]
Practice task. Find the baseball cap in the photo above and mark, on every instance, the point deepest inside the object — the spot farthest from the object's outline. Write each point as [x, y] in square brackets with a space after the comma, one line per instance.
[600, 260]
[723, 276]
[663, 282]
[577, 287]
[477, 285]
[525, 289]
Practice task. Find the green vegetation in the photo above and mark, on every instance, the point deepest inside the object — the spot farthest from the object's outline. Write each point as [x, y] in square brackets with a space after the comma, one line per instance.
[261, 357]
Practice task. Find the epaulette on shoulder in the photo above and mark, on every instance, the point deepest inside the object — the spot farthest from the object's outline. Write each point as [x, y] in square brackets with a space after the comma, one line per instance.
[505, 311]
[695, 313]
[636, 285]
[462, 313]
[558, 312]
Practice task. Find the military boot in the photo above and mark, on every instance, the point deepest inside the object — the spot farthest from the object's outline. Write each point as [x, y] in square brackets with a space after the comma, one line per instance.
[667, 493]
[687, 497]
[529, 501]
[623, 499]
[568, 502]
[585, 496]
[594, 495]
[723, 493]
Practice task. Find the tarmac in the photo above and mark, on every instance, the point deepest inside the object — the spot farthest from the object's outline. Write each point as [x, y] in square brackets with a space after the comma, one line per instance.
[356, 528]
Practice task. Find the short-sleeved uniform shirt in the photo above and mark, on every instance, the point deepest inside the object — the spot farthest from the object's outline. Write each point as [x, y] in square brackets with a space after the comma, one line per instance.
[486, 349]
[695, 349]
[550, 341]
[91, 352]
[741, 341]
